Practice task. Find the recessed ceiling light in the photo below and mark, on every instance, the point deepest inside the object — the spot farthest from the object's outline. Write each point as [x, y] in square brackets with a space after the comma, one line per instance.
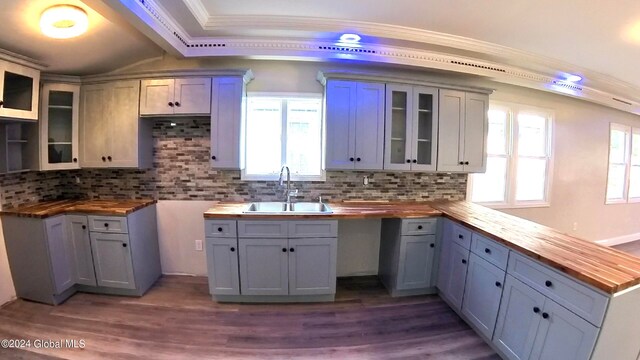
[573, 78]
[350, 38]
[64, 21]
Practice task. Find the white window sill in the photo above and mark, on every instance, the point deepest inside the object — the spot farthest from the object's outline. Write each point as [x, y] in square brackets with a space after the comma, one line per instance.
[515, 206]
[276, 177]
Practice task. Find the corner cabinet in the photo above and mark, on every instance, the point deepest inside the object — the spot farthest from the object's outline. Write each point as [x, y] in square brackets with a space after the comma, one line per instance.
[112, 133]
[59, 115]
[411, 128]
[355, 125]
[19, 91]
[227, 112]
[186, 96]
[462, 131]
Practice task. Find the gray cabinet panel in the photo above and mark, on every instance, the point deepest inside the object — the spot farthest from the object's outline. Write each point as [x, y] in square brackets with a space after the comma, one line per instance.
[419, 226]
[341, 124]
[369, 127]
[416, 262]
[108, 224]
[220, 228]
[490, 250]
[112, 260]
[475, 132]
[312, 266]
[459, 258]
[517, 321]
[77, 226]
[263, 229]
[313, 228]
[61, 252]
[222, 264]
[264, 266]
[227, 97]
[482, 294]
[192, 96]
[450, 126]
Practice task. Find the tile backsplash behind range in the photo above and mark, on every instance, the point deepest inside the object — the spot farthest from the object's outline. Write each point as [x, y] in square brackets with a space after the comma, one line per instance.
[182, 172]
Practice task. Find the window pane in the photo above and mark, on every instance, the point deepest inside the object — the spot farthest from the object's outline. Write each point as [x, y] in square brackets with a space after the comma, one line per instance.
[635, 149]
[634, 182]
[532, 135]
[497, 139]
[617, 152]
[304, 136]
[264, 136]
[531, 179]
[491, 186]
[615, 184]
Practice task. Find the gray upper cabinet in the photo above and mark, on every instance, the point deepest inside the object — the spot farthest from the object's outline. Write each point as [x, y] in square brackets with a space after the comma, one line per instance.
[112, 260]
[112, 134]
[181, 96]
[59, 114]
[222, 260]
[462, 131]
[264, 266]
[312, 266]
[483, 291]
[61, 254]
[411, 128]
[78, 229]
[19, 91]
[227, 103]
[355, 125]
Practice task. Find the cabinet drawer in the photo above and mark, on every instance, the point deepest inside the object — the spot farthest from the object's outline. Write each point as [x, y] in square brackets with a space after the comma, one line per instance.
[490, 250]
[313, 229]
[220, 228]
[108, 224]
[580, 299]
[263, 229]
[461, 235]
[419, 226]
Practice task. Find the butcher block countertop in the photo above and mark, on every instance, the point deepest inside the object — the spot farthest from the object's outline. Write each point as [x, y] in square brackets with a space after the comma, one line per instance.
[605, 268]
[47, 209]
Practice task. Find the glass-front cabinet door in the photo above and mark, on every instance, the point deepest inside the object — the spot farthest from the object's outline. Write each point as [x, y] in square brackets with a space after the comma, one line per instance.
[19, 87]
[411, 128]
[59, 126]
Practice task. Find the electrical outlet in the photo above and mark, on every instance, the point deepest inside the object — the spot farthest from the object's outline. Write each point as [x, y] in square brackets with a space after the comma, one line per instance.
[365, 180]
[77, 179]
[198, 245]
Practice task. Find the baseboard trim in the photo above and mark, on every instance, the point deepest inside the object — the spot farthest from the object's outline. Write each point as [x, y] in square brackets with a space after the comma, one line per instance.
[619, 240]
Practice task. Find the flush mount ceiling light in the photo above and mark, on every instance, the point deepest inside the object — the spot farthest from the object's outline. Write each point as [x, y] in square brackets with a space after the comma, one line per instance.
[573, 78]
[350, 38]
[64, 21]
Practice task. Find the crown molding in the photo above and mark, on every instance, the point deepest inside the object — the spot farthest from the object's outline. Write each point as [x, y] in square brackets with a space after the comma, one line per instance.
[21, 60]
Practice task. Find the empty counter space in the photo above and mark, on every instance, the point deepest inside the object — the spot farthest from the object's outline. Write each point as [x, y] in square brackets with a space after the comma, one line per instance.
[104, 246]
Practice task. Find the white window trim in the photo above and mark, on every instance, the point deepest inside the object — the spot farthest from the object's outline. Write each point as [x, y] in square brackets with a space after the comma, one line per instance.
[627, 151]
[512, 109]
[275, 176]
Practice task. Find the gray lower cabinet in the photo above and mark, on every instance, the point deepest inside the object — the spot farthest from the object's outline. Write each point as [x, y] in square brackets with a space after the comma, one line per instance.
[264, 266]
[453, 272]
[78, 232]
[312, 266]
[222, 260]
[112, 260]
[416, 262]
[482, 294]
[60, 251]
[532, 326]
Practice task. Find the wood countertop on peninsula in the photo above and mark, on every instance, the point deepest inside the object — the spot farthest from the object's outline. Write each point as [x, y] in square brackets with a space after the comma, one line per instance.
[603, 267]
[47, 209]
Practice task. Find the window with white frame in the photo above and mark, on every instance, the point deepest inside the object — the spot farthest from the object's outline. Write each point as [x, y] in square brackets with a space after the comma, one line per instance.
[283, 130]
[623, 180]
[519, 158]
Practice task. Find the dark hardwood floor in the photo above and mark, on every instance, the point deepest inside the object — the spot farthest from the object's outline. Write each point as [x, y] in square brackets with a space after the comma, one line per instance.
[177, 319]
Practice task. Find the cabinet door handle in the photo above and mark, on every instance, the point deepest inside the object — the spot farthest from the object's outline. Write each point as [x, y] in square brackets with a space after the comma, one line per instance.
[232, 249]
[284, 249]
[357, 159]
[177, 104]
[415, 161]
[351, 159]
[213, 157]
[109, 158]
[124, 245]
[219, 229]
[464, 261]
[1, 103]
[75, 160]
[432, 245]
[460, 236]
[487, 250]
[466, 163]
[536, 309]
[461, 163]
[292, 250]
[84, 227]
[170, 104]
[419, 227]
[545, 315]
[408, 161]
[104, 159]
[106, 224]
[548, 283]
[498, 284]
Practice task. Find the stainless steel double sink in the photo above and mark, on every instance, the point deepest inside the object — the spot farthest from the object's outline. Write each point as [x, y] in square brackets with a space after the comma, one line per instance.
[282, 208]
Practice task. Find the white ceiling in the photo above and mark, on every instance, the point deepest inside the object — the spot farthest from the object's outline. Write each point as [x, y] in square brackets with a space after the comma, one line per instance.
[106, 46]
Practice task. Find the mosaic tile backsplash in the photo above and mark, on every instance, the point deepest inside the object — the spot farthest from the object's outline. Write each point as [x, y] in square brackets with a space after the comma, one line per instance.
[182, 172]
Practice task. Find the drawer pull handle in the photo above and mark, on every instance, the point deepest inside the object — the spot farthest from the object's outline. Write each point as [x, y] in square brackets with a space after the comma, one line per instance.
[419, 227]
[432, 245]
[548, 283]
[284, 249]
[232, 249]
[460, 236]
[84, 227]
[487, 250]
[106, 225]
[124, 245]
[545, 315]
[464, 261]
[498, 284]
[292, 250]
[536, 309]
[219, 229]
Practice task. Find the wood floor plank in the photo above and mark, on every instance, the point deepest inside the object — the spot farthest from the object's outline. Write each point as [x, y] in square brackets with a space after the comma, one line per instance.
[178, 320]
